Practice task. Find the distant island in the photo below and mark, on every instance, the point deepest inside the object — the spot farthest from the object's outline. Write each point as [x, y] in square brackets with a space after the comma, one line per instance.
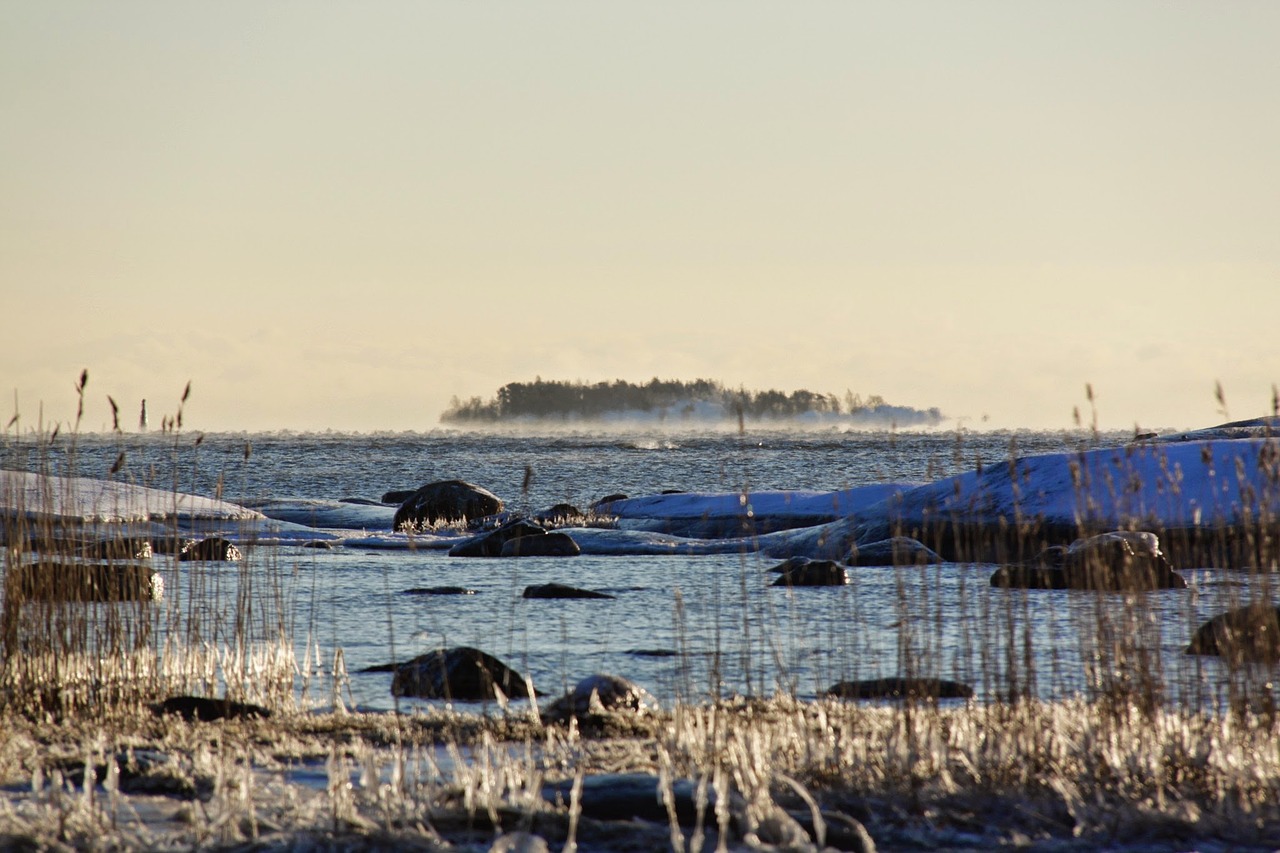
[673, 400]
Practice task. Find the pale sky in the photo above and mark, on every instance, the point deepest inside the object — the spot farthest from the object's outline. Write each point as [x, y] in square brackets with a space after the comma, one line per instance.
[339, 215]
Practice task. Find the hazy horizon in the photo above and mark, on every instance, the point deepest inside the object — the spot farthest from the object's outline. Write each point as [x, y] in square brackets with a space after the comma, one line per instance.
[338, 217]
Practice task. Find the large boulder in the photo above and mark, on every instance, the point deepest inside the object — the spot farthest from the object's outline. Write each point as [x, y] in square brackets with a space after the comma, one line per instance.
[1249, 634]
[1121, 561]
[445, 501]
[490, 544]
[462, 674]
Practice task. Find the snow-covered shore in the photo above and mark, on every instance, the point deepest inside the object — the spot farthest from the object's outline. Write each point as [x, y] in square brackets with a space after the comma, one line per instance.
[1219, 486]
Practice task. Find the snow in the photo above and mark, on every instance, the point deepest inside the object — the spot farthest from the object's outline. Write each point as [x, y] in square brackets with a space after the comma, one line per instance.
[766, 504]
[328, 514]
[81, 500]
[1162, 485]
[1219, 483]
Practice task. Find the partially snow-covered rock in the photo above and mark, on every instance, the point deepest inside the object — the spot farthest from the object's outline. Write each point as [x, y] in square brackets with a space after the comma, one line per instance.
[1218, 486]
[82, 500]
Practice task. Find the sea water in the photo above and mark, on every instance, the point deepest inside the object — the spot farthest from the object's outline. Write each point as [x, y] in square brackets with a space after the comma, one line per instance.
[690, 627]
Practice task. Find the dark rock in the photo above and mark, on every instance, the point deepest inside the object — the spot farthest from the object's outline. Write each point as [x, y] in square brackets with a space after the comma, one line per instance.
[380, 667]
[1121, 561]
[492, 522]
[790, 564]
[1249, 634]
[901, 688]
[170, 544]
[598, 694]
[814, 573]
[546, 545]
[559, 515]
[895, 551]
[618, 496]
[319, 544]
[672, 492]
[206, 710]
[557, 590]
[1028, 577]
[76, 581]
[445, 501]
[124, 548]
[653, 653]
[632, 796]
[439, 590]
[462, 674]
[490, 544]
[397, 496]
[214, 549]
[359, 501]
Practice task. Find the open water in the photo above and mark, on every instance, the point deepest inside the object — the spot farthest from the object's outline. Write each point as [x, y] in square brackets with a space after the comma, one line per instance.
[681, 626]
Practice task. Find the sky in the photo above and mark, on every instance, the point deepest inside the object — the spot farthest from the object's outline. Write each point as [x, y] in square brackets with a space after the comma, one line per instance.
[341, 215]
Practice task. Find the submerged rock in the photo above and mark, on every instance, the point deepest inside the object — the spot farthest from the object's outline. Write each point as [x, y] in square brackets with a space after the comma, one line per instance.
[901, 688]
[439, 590]
[1249, 634]
[559, 590]
[813, 573]
[445, 501]
[461, 673]
[894, 551]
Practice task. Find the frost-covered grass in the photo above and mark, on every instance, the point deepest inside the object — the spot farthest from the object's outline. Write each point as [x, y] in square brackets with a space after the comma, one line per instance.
[976, 775]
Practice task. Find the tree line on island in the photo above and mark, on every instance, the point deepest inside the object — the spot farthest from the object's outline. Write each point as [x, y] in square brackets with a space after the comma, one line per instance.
[700, 399]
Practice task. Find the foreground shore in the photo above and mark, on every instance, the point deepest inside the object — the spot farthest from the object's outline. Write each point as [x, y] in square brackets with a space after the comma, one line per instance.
[746, 774]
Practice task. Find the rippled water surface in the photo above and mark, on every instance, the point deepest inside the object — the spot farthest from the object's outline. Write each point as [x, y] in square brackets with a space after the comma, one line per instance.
[681, 626]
